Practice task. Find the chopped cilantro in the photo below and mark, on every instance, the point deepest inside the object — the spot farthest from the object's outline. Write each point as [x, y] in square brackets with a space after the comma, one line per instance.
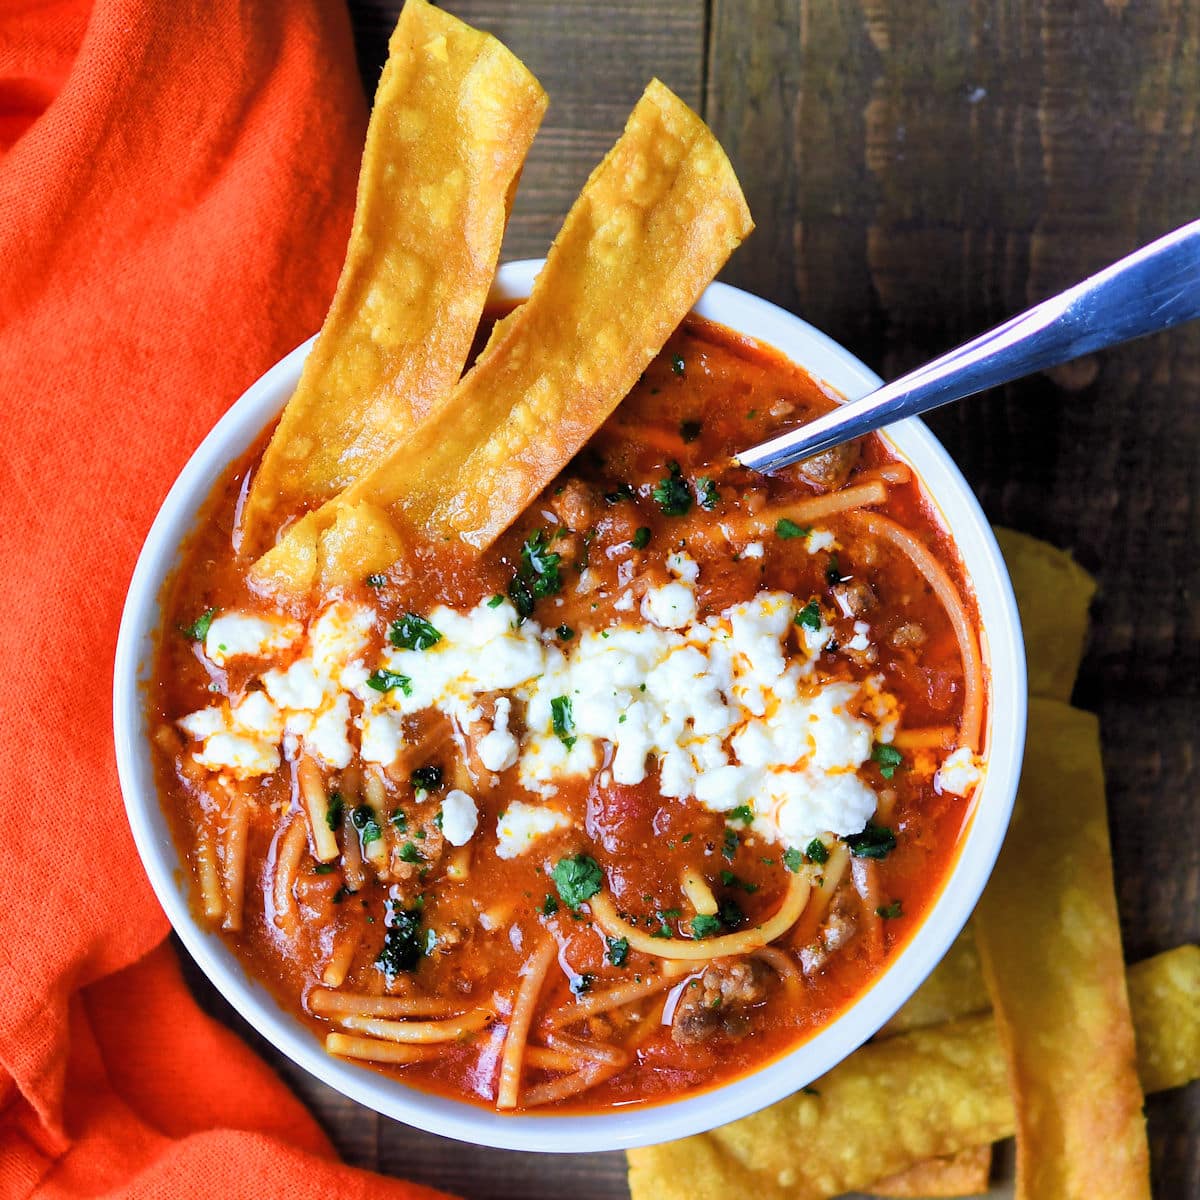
[410, 854]
[890, 911]
[385, 681]
[743, 813]
[437, 821]
[495, 601]
[427, 778]
[729, 846]
[641, 538]
[707, 492]
[577, 878]
[888, 758]
[731, 915]
[563, 719]
[549, 906]
[689, 430]
[671, 494]
[809, 617]
[729, 879]
[687, 837]
[704, 925]
[340, 894]
[787, 528]
[565, 633]
[402, 947]
[876, 841]
[816, 851]
[662, 931]
[411, 632]
[322, 868]
[333, 814]
[621, 492]
[537, 575]
[363, 819]
[618, 951]
[677, 364]
[377, 580]
[198, 629]
[792, 858]
[399, 819]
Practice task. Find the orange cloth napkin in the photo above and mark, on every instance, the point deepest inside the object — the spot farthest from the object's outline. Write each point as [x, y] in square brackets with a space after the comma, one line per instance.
[176, 185]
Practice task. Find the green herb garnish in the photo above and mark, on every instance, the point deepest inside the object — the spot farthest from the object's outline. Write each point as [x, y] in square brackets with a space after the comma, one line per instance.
[816, 851]
[363, 819]
[671, 494]
[333, 814]
[198, 629]
[792, 859]
[618, 951]
[385, 681]
[876, 841]
[809, 617]
[410, 854]
[577, 878]
[549, 906]
[890, 911]
[677, 364]
[495, 601]
[743, 813]
[563, 719]
[689, 430]
[787, 528]
[412, 632]
[705, 925]
[427, 778]
[729, 846]
[888, 758]
[565, 633]
[641, 538]
[402, 944]
[707, 492]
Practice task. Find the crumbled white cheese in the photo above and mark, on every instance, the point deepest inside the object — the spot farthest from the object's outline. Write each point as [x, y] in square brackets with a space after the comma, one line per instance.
[752, 550]
[670, 607]
[498, 749]
[860, 640]
[521, 824]
[232, 635]
[243, 756]
[818, 540]
[683, 566]
[959, 773]
[460, 817]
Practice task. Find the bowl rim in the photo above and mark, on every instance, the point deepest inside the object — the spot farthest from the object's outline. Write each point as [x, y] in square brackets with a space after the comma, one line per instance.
[640, 1125]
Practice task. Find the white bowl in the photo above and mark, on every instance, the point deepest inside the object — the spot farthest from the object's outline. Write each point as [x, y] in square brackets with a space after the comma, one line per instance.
[1003, 650]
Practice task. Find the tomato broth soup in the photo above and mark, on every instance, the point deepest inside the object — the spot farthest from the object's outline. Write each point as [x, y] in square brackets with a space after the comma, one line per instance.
[621, 809]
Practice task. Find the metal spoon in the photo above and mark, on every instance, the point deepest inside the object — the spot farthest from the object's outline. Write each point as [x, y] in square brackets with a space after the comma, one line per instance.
[1152, 289]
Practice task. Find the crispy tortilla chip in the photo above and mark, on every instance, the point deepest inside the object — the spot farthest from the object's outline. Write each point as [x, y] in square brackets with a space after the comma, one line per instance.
[1051, 950]
[652, 226]
[1053, 595]
[963, 1174]
[895, 1102]
[360, 542]
[454, 116]
[954, 989]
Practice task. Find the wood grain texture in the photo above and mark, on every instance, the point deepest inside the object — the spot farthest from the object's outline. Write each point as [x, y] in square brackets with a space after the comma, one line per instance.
[919, 170]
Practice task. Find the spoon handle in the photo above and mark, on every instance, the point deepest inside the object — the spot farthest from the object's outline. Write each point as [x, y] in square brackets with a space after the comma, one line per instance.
[1152, 289]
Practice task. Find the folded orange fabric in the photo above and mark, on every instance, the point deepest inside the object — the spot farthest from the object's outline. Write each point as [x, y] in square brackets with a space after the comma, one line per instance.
[176, 187]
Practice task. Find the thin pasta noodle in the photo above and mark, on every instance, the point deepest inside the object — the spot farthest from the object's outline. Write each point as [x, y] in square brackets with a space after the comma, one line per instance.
[700, 896]
[533, 976]
[728, 944]
[817, 508]
[595, 1051]
[892, 472]
[650, 1021]
[933, 737]
[345, 942]
[968, 645]
[352, 860]
[783, 966]
[233, 861]
[595, 1003]
[372, 1050]
[832, 873]
[209, 875]
[865, 873]
[451, 1029]
[458, 865]
[583, 1080]
[376, 852]
[328, 1003]
[542, 1058]
[287, 866]
[315, 799]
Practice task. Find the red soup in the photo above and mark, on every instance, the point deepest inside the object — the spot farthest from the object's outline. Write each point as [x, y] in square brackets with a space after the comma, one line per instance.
[622, 810]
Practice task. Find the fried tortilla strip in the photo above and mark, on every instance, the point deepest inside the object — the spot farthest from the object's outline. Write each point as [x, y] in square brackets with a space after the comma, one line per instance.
[1050, 945]
[894, 1102]
[454, 116]
[1053, 594]
[654, 223]
[963, 1174]
[954, 989]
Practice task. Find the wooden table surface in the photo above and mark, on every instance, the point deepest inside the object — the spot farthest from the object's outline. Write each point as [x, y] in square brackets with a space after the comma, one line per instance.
[919, 170]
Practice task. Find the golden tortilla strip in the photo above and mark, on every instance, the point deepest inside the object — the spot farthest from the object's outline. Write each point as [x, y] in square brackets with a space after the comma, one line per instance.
[1050, 945]
[654, 223]
[963, 1174]
[954, 989]
[895, 1102]
[454, 116]
[1053, 594]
